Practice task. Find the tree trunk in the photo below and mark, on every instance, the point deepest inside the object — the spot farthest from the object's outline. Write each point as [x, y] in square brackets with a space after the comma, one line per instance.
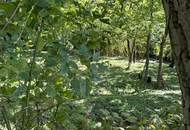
[131, 51]
[146, 66]
[178, 12]
[129, 54]
[134, 52]
[160, 81]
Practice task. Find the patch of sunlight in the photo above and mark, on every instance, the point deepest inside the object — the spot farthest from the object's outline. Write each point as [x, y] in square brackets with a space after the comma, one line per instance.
[168, 76]
[163, 92]
[81, 67]
[104, 91]
[123, 63]
[116, 61]
[175, 86]
[82, 101]
[127, 90]
[136, 67]
[119, 63]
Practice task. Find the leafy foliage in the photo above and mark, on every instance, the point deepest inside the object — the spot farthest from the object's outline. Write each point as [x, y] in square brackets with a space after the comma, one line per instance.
[51, 64]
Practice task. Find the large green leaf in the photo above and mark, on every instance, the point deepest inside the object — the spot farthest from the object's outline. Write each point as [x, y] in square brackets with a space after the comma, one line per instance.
[51, 91]
[2, 12]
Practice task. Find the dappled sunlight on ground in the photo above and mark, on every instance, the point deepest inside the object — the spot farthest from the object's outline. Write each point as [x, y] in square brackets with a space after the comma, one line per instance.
[141, 103]
[163, 92]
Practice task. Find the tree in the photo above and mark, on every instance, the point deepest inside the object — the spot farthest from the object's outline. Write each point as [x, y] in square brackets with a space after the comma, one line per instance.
[178, 12]
[160, 81]
[50, 53]
[146, 66]
[131, 52]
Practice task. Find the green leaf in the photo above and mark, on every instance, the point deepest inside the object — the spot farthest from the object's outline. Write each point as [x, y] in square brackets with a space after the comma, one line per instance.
[24, 76]
[4, 72]
[7, 7]
[85, 61]
[21, 90]
[2, 12]
[64, 55]
[51, 61]
[75, 84]
[105, 20]
[46, 3]
[64, 68]
[83, 50]
[51, 92]
[41, 45]
[83, 88]
[80, 86]
[43, 13]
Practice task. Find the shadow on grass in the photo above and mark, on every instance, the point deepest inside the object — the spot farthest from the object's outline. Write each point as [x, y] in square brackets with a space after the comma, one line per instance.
[120, 80]
[138, 108]
[126, 93]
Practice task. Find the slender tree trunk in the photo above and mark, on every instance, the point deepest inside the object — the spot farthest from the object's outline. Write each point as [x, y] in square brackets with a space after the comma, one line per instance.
[145, 74]
[129, 54]
[160, 81]
[29, 82]
[131, 51]
[134, 52]
[146, 66]
[178, 12]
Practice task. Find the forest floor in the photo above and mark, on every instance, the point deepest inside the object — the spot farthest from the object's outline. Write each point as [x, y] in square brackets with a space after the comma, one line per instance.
[124, 102]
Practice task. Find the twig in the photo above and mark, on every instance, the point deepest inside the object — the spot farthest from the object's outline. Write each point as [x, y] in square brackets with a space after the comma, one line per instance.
[38, 117]
[9, 20]
[31, 70]
[25, 23]
[5, 117]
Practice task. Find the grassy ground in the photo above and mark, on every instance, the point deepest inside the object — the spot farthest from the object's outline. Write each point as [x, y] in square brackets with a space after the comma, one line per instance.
[122, 101]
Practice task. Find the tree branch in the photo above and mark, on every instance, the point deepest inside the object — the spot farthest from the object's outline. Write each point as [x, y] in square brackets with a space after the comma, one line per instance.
[30, 72]
[12, 16]
[5, 117]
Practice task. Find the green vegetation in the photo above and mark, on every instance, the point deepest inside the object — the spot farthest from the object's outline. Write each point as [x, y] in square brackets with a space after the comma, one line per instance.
[94, 65]
[121, 100]
[144, 107]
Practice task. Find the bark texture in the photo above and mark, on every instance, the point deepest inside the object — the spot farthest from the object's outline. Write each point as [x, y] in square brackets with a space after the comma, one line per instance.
[178, 12]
